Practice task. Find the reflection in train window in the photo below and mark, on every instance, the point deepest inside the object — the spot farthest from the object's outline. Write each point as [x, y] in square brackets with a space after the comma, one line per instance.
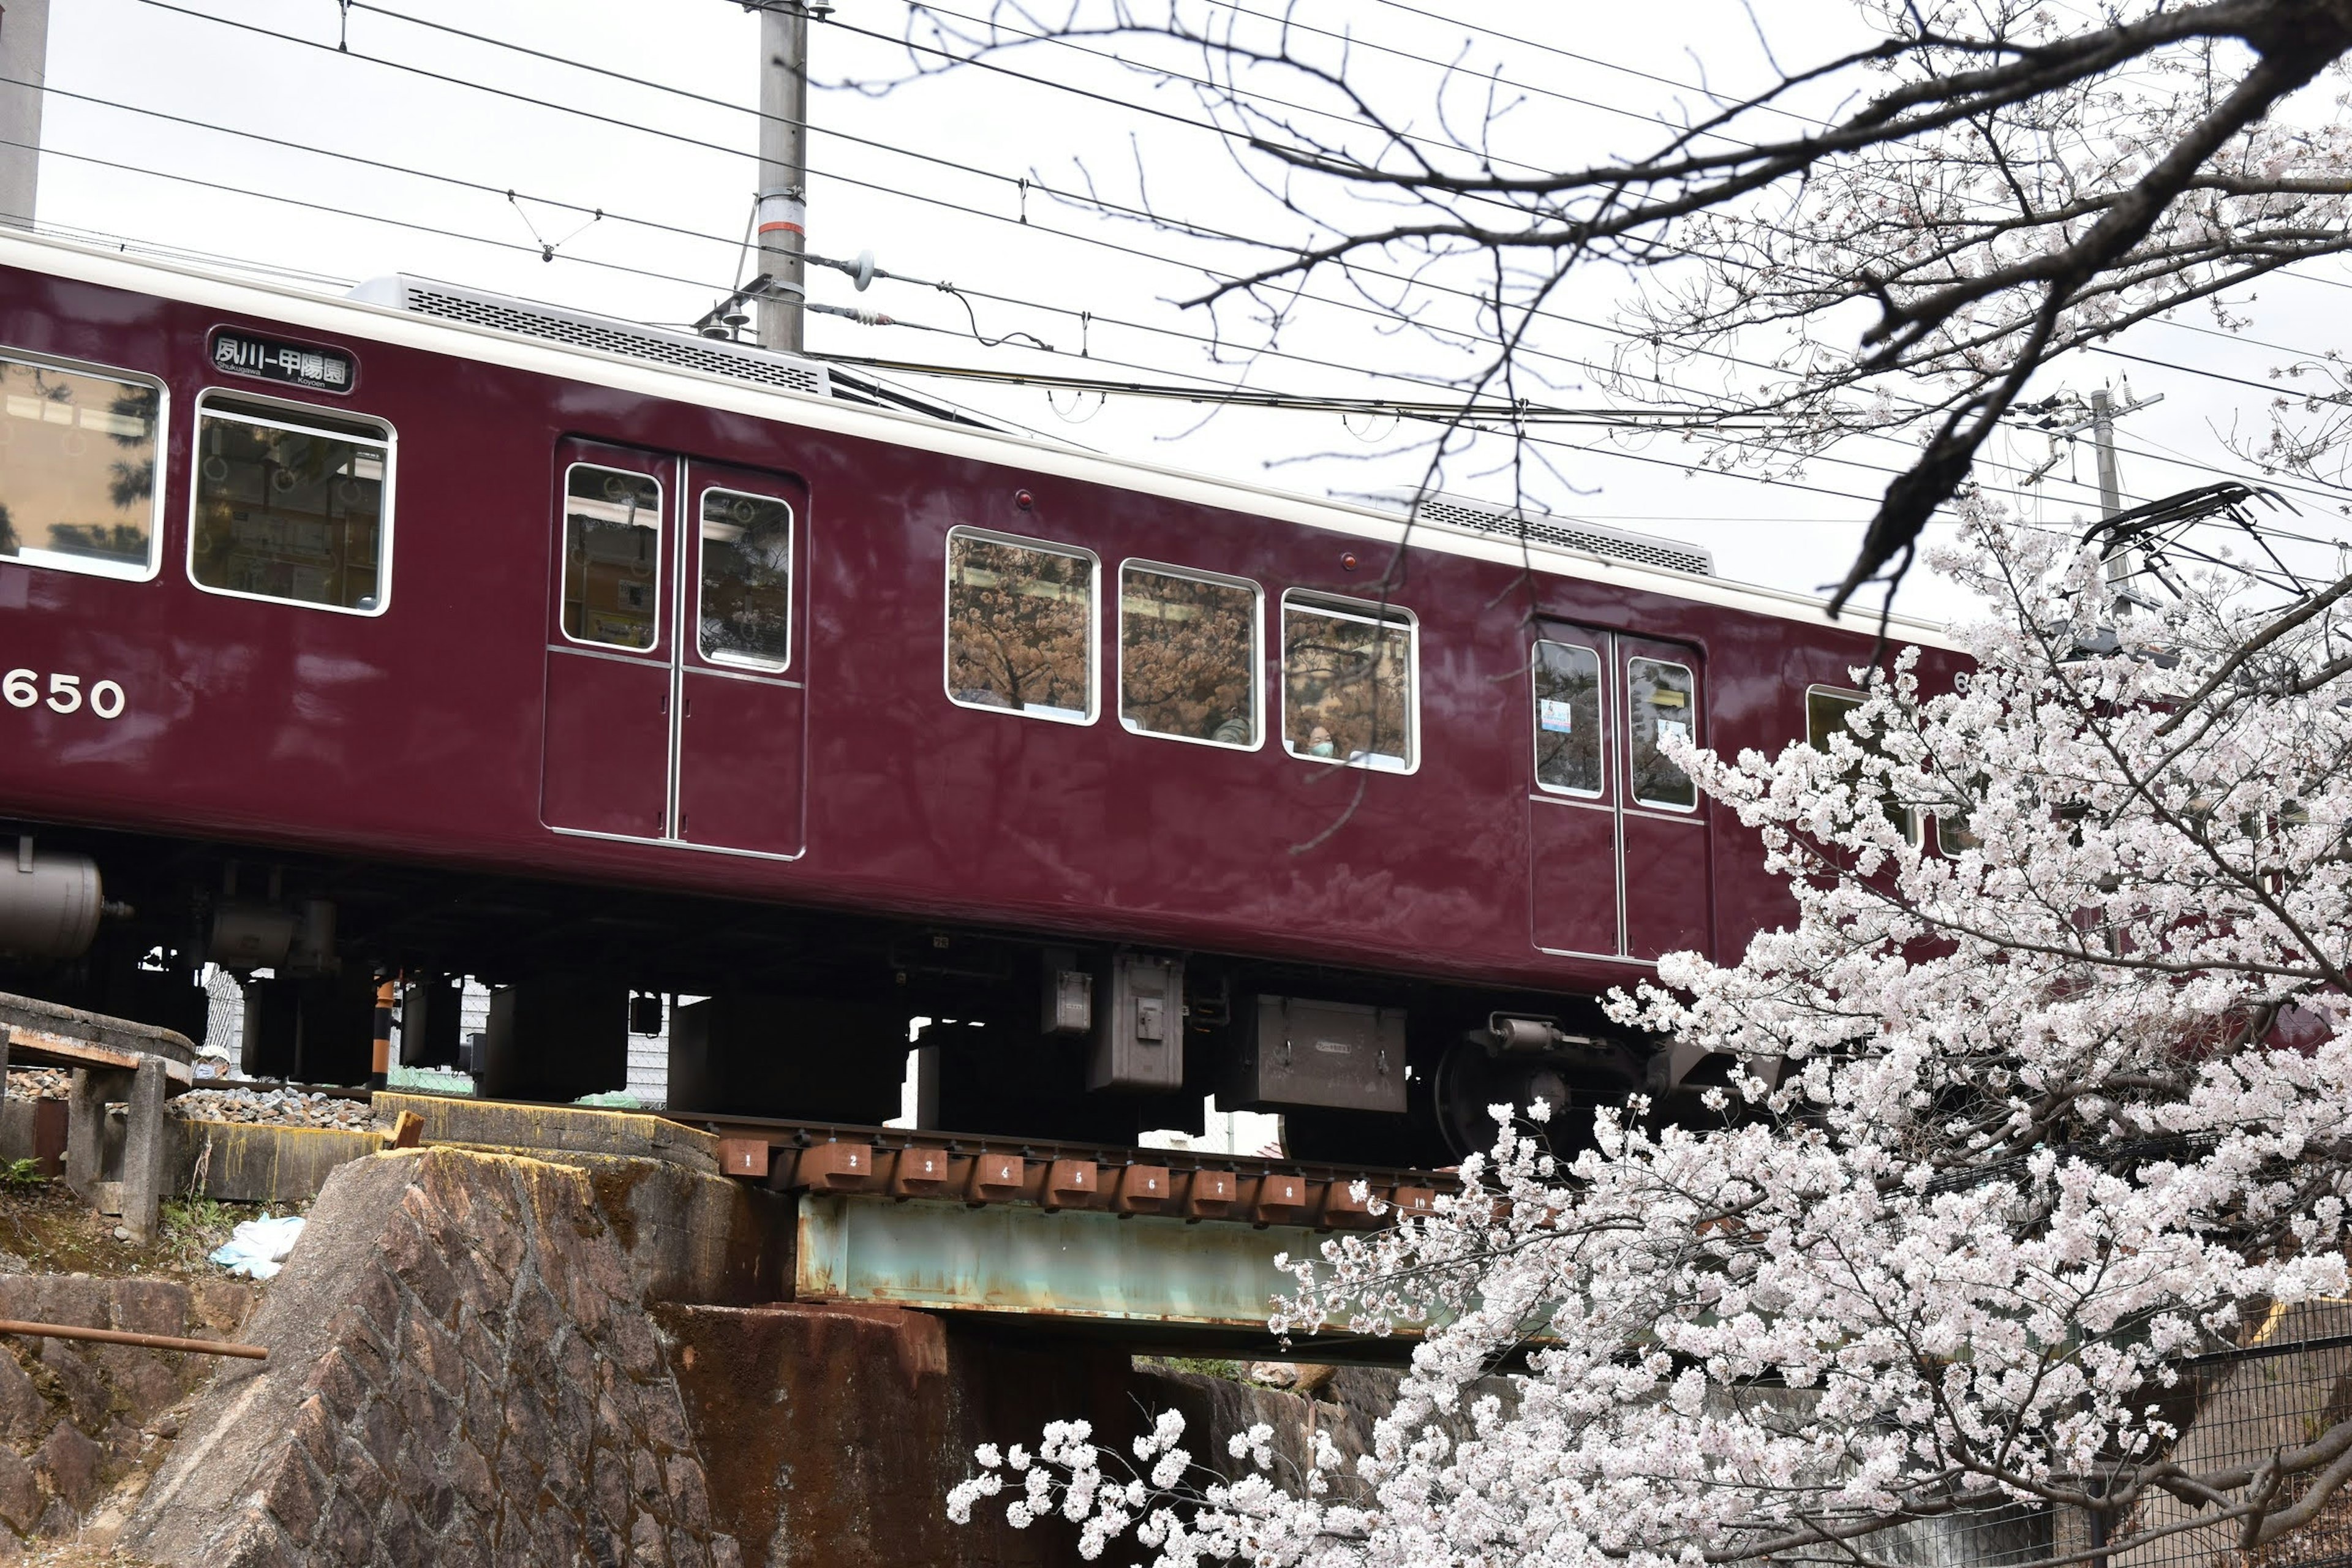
[1348, 692]
[290, 504]
[1188, 655]
[1021, 627]
[1661, 703]
[1826, 710]
[746, 605]
[1568, 719]
[612, 556]
[78, 470]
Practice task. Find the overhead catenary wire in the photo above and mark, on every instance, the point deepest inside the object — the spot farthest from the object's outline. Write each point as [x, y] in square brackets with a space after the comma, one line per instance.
[1501, 412]
[1064, 234]
[1126, 210]
[1133, 251]
[1088, 199]
[1634, 457]
[480, 186]
[1572, 55]
[1197, 230]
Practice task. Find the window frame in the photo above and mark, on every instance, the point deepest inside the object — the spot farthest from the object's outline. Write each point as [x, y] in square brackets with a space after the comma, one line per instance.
[1914, 825]
[1371, 612]
[158, 492]
[562, 567]
[1257, 651]
[388, 490]
[1601, 716]
[749, 662]
[1094, 620]
[1634, 798]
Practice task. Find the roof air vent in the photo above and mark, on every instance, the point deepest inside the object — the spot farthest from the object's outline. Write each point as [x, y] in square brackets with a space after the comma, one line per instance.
[1589, 538]
[553, 323]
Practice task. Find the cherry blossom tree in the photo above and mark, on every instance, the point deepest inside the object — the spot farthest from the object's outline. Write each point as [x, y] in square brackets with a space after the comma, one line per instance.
[2030, 1108]
[1891, 240]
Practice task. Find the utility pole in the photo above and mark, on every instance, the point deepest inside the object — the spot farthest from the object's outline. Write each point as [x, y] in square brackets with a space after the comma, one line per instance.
[23, 57]
[2121, 561]
[2102, 435]
[784, 170]
[2061, 416]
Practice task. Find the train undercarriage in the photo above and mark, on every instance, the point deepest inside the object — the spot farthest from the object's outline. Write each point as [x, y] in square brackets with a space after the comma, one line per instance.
[788, 1012]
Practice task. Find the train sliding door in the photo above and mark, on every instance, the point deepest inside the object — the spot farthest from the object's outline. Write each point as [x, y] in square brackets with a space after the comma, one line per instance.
[1668, 885]
[675, 710]
[1617, 840]
[1572, 833]
[607, 765]
[742, 707]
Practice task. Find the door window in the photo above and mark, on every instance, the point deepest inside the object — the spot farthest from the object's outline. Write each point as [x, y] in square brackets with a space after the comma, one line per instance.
[1188, 656]
[1021, 627]
[1661, 703]
[612, 556]
[1348, 675]
[745, 608]
[78, 470]
[1568, 719]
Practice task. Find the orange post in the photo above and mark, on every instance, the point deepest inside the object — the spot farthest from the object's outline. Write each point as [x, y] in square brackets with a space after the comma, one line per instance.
[380, 1068]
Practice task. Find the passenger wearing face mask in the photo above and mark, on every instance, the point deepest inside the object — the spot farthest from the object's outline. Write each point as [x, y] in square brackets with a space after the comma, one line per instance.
[1318, 742]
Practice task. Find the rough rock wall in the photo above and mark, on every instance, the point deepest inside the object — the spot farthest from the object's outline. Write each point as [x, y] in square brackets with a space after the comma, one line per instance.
[461, 1373]
[75, 1417]
[835, 1432]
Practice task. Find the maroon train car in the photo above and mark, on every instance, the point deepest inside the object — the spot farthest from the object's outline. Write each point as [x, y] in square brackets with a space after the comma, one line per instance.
[426, 634]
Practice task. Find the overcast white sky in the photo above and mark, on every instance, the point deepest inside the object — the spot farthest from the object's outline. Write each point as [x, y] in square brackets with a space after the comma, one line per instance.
[890, 192]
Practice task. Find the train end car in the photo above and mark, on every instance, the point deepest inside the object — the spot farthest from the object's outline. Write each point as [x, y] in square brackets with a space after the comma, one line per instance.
[654, 681]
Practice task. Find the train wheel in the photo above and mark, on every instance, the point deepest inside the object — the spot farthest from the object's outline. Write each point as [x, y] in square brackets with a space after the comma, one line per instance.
[1470, 1082]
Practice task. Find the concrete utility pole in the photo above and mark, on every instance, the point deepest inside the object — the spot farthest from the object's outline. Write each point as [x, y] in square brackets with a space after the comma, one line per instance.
[2103, 433]
[784, 169]
[23, 57]
[2122, 562]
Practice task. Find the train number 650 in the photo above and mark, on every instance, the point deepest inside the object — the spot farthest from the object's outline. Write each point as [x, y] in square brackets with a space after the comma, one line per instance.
[22, 688]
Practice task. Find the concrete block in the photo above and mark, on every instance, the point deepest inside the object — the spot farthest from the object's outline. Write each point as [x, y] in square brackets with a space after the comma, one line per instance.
[142, 1154]
[254, 1163]
[86, 1124]
[551, 1129]
[35, 1130]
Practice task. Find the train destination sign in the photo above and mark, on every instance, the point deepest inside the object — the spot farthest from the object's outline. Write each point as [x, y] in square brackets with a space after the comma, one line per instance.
[296, 364]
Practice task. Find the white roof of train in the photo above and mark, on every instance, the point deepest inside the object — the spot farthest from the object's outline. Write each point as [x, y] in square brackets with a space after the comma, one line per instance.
[341, 316]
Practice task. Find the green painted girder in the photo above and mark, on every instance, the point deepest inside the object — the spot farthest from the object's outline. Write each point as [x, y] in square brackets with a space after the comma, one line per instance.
[1015, 1259]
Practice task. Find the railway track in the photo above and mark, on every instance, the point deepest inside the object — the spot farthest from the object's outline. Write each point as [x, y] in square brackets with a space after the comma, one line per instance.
[980, 1170]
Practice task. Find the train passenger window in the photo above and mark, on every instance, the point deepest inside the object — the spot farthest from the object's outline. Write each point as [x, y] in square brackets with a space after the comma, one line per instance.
[1348, 682]
[1188, 655]
[745, 610]
[612, 556]
[78, 470]
[1661, 701]
[291, 504]
[1826, 710]
[1020, 626]
[1568, 719]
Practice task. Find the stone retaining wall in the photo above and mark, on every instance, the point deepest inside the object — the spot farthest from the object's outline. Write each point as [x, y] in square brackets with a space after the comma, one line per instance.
[77, 1418]
[479, 1359]
[462, 1372]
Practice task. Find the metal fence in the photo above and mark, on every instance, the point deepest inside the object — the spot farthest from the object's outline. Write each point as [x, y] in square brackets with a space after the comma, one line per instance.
[2288, 1383]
